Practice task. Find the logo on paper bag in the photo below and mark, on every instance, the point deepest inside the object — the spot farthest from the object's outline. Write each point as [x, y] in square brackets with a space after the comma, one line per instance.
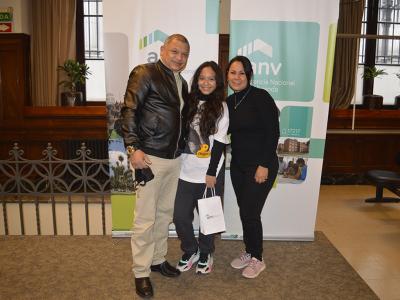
[208, 217]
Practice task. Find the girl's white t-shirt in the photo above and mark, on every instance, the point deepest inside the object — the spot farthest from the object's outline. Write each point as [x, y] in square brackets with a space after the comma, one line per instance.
[197, 153]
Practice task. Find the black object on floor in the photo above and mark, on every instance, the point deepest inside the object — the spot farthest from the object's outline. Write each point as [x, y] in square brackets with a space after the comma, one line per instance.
[385, 179]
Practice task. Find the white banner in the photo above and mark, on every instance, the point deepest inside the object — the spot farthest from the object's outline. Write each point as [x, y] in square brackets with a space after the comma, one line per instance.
[291, 46]
[134, 31]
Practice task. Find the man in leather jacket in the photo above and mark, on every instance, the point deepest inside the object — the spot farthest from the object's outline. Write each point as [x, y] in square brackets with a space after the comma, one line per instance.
[152, 131]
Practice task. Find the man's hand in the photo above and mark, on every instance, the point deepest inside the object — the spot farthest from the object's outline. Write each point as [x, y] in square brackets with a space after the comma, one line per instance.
[139, 160]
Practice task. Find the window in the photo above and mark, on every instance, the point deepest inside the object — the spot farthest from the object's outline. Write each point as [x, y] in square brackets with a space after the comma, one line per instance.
[94, 49]
[387, 51]
[381, 17]
[362, 41]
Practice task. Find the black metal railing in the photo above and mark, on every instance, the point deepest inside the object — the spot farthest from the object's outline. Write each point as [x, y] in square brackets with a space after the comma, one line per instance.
[52, 180]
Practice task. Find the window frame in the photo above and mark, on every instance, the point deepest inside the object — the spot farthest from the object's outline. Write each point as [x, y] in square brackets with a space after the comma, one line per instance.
[80, 47]
[368, 53]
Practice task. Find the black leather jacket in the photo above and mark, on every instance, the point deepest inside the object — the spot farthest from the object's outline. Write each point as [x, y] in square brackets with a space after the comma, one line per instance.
[151, 116]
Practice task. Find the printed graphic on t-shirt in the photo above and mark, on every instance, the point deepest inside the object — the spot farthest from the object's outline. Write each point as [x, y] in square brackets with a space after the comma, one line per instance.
[196, 156]
[196, 144]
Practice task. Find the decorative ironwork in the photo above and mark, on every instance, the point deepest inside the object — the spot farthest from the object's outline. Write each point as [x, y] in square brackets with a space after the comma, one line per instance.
[22, 180]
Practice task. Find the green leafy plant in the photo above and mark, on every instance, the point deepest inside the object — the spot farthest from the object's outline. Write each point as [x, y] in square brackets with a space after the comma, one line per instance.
[373, 72]
[76, 72]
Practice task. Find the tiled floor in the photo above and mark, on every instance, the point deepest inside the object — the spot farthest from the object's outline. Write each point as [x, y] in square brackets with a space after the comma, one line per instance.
[367, 235]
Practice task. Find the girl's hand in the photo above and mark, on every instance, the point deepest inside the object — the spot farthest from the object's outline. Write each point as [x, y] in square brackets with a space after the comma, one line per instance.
[211, 181]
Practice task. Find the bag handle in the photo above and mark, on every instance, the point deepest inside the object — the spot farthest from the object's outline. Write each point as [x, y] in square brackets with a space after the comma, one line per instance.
[212, 192]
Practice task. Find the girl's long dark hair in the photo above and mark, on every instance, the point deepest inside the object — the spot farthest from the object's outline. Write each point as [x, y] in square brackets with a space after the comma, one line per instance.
[212, 109]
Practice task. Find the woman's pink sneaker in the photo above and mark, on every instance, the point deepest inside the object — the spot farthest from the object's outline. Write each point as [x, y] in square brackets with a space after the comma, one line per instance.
[242, 261]
[254, 268]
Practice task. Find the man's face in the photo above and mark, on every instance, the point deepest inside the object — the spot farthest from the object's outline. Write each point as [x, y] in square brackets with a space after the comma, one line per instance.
[175, 55]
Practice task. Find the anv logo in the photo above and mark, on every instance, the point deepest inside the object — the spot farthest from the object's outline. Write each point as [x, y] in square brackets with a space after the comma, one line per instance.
[151, 55]
[155, 36]
[283, 54]
[260, 67]
[254, 46]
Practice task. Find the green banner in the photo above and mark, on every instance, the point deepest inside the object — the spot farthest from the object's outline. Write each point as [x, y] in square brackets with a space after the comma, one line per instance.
[283, 54]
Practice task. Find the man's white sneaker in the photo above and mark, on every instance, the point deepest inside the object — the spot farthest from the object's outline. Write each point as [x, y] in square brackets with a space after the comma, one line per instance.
[187, 261]
[242, 261]
[254, 268]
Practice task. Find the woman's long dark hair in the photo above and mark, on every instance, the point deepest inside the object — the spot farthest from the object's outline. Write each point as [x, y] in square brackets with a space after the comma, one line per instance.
[212, 109]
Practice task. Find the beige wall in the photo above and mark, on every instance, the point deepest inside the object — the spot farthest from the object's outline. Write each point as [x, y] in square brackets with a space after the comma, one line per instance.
[225, 10]
[21, 14]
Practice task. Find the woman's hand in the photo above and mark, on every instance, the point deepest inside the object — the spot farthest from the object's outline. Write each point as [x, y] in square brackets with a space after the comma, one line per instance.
[211, 181]
[261, 174]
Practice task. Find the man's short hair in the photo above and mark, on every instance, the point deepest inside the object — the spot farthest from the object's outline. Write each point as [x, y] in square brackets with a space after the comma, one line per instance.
[177, 36]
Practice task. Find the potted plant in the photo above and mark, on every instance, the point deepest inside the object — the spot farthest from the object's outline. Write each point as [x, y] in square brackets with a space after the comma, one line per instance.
[373, 101]
[76, 74]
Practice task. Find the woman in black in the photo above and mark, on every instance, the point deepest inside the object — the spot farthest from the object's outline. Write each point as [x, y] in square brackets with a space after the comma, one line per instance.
[254, 128]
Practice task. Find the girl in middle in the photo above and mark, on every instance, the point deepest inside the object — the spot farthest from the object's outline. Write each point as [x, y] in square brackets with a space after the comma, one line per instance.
[202, 161]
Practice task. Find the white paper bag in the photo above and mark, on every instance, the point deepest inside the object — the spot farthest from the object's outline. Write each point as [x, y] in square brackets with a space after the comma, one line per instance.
[211, 214]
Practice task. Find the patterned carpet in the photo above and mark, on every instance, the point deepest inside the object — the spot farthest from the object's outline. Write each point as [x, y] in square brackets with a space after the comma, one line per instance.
[98, 267]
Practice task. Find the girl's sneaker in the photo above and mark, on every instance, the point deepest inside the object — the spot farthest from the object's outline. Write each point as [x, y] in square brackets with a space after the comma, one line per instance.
[187, 261]
[205, 263]
[254, 268]
[242, 261]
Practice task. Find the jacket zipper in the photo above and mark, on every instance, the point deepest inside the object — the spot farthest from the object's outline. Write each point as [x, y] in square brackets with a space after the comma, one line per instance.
[180, 130]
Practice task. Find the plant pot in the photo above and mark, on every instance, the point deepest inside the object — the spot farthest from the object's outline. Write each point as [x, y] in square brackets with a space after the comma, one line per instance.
[373, 102]
[71, 98]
